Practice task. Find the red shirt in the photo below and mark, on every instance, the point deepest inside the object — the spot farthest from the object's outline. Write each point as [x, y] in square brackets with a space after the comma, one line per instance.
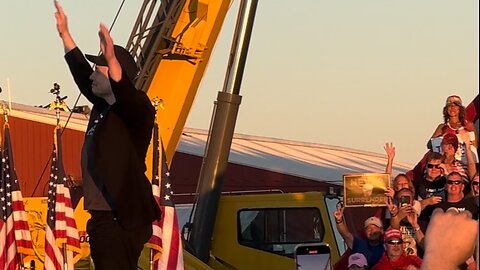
[398, 264]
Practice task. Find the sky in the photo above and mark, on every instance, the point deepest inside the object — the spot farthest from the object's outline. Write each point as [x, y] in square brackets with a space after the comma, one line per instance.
[348, 73]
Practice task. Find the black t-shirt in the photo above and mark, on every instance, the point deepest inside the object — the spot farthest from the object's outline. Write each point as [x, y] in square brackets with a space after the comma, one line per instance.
[425, 189]
[467, 203]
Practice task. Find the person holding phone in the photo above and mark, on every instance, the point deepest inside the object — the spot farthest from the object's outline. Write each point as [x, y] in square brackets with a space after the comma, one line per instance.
[406, 220]
[399, 182]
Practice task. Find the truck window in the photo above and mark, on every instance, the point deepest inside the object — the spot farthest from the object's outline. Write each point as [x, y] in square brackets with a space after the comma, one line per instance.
[279, 230]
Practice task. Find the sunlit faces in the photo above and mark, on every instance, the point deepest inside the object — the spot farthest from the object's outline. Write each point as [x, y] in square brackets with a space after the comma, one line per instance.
[394, 248]
[475, 185]
[373, 233]
[448, 149]
[402, 182]
[100, 83]
[455, 185]
[433, 168]
[453, 109]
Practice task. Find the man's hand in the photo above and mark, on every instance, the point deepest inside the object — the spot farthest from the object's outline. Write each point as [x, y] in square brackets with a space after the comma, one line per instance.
[413, 219]
[106, 46]
[450, 239]
[338, 214]
[432, 200]
[389, 202]
[62, 23]
[62, 28]
[389, 192]
[106, 43]
[405, 210]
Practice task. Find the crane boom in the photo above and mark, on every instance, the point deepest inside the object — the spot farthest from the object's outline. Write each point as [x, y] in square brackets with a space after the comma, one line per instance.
[172, 47]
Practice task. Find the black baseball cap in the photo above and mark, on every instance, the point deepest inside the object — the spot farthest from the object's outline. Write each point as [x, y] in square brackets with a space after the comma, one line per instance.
[125, 59]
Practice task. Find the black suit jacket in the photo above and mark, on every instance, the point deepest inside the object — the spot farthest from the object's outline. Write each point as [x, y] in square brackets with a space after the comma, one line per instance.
[116, 158]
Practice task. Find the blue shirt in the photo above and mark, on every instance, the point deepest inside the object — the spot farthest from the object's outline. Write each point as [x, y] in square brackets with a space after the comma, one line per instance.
[372, 253]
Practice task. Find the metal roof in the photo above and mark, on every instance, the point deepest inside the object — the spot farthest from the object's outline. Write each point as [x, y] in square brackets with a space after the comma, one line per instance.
[308, 160]
[314, 161]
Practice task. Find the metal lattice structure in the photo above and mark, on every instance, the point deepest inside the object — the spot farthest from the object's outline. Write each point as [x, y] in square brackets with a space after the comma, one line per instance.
[151, 36]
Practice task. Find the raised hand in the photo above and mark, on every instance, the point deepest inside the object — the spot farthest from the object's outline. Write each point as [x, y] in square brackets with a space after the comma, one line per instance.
[338, 214]
[106, 43]
[107, 48]
[62, 27]
[390, 150]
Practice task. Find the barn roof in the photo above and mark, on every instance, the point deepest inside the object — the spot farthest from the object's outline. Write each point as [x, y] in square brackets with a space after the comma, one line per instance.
[320, 162]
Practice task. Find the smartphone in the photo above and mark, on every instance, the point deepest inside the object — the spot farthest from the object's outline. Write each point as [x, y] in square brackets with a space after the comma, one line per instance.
[315, 256]
[404, 200]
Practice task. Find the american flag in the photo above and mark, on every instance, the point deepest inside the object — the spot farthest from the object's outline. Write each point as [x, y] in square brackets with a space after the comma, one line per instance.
[61, 235]
[165, 243]
[15, 240]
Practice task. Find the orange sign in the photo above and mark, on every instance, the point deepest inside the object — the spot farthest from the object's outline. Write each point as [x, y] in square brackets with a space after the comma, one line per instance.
[36, 211]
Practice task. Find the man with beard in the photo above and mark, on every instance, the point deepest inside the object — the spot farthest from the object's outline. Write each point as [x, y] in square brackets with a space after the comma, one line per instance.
[371, 246]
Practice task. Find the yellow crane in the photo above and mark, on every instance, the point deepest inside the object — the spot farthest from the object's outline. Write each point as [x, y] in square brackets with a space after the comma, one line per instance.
[172, 41]
[172, 46]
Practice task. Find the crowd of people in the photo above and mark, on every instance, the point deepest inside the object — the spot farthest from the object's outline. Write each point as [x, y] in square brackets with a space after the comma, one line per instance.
[404, 237]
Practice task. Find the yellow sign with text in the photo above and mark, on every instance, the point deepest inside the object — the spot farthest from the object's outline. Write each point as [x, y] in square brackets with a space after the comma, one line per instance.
[36, 211]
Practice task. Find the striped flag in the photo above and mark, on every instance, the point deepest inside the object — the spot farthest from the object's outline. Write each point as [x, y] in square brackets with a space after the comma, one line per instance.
[15, 239]
[62, 245]
[165, 243]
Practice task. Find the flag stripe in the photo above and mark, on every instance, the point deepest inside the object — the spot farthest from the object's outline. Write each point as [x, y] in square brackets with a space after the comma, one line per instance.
[61, 230]
[15, 239]
[165, 242]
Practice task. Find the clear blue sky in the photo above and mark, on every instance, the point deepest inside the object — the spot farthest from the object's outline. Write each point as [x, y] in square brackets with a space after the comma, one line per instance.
[349, 73]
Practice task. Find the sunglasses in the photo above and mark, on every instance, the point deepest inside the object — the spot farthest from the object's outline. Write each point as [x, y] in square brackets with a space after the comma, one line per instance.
[475, 183]
[394, 242]
[431, 166]
[456, 183]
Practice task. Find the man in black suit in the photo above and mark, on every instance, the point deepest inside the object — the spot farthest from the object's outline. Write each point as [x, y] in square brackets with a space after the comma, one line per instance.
[117, 193]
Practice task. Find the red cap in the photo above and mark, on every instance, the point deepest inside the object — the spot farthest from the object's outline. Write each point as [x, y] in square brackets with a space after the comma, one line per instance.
[391, 234]
[452, 139]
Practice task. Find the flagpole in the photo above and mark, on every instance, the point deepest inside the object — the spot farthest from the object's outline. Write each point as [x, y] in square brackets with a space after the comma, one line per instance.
[9, 94]
[5, 115]
[65, 258]
[156, 102]
[151, 259]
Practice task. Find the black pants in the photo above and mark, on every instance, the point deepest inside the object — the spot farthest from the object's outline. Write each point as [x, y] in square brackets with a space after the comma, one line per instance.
[113, 247]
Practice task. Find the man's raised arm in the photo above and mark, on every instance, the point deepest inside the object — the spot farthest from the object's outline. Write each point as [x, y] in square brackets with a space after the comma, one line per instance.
[62, 28]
